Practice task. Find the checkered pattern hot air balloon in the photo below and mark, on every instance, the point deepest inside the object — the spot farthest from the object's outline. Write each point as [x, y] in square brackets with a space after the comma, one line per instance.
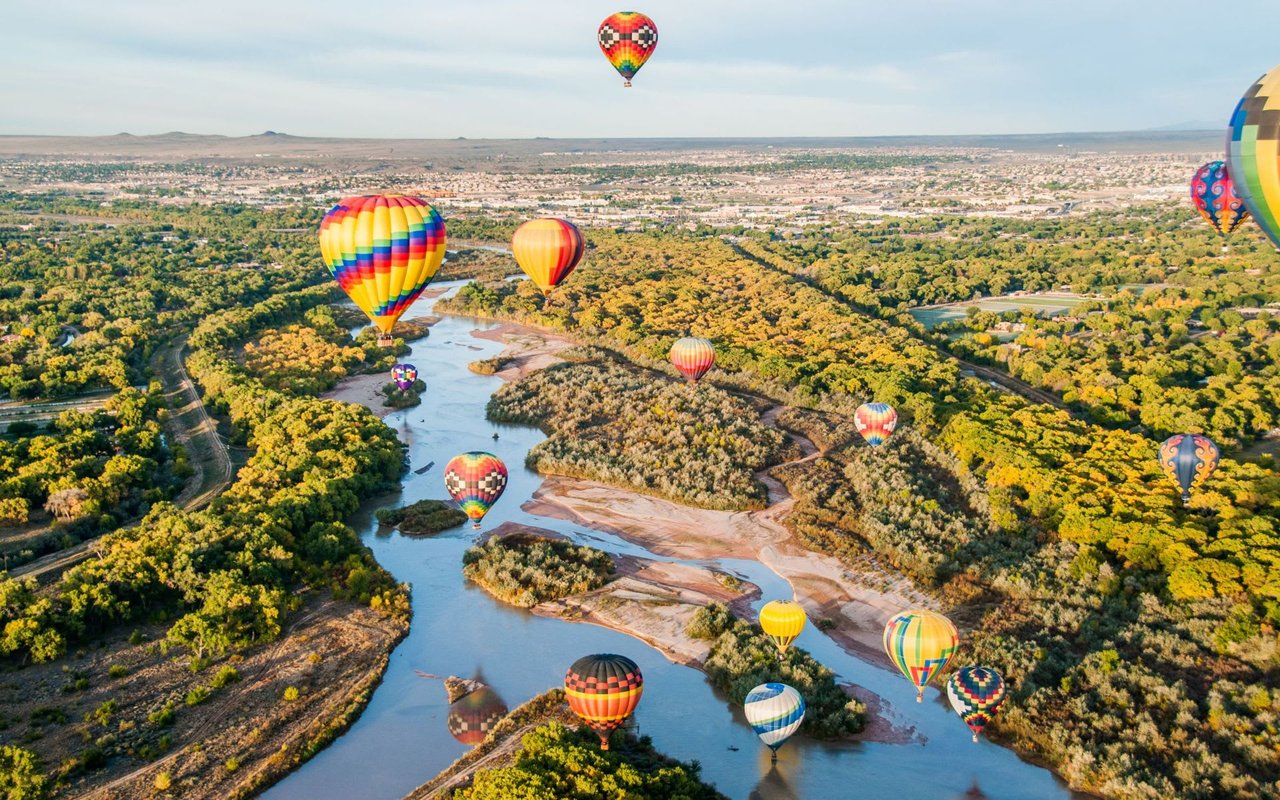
[1188, 459]
[1214, 196]
[475, 481]
[1253, 152]
[775, 711]
[547, 250]
[875, 421]
[693, 357]
[782, 621]
[382, 250]
[604, 691]
[976, 694]
[920, 644]
[404, 376]
[627, 39]
[473, 716]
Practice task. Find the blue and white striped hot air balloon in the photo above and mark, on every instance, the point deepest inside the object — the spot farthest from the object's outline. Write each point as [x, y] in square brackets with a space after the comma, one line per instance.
[775, 711]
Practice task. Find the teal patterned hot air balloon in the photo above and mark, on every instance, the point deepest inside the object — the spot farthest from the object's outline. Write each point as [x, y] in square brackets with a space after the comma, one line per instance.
[1188, 459]
[976, 694]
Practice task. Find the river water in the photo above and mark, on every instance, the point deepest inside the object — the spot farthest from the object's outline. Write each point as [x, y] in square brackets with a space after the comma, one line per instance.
[402, 739]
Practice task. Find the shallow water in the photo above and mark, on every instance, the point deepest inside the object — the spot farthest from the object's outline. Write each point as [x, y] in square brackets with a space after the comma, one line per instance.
[402, 739]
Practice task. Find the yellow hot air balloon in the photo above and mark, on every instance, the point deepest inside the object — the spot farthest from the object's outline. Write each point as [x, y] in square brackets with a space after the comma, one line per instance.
[782, 621]
[920, 644]
[383, 250]
[547, 250]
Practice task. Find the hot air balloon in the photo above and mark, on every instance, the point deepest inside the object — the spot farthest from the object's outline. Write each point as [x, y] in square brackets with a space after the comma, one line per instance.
[405, 376]
[875, 421]
[976, 694]
[920, 643]
[475, 480]
[782, 621]
[472, 717]
[547, 250]
[775, 711]
[1215, 198]
[1189, 459]
[1253, 151]
[604, 690]
[627, 39]
[693, 357]
[382, 250]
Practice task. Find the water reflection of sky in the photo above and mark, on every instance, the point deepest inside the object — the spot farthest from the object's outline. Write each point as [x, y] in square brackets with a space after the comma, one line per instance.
[403, 739]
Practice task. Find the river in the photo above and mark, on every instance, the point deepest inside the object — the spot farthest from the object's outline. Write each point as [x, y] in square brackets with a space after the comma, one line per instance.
[402, 739]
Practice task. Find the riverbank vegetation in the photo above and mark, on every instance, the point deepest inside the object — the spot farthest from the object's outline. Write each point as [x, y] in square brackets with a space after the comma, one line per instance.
[423, 517]
[742, 658]
[620, 424]
[525, 570]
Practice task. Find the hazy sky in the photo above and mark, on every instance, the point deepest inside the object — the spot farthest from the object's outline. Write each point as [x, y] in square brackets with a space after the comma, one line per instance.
[509, 68]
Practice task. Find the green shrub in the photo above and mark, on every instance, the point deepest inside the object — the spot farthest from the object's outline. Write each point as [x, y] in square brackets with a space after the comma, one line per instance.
[526, 570]
[423, 517]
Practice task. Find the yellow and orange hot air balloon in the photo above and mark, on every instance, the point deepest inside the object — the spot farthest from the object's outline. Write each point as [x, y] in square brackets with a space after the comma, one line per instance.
[547, 250]
[383, 250]
[782, 621]
[693, 357]
[604, 691]
[920, 644]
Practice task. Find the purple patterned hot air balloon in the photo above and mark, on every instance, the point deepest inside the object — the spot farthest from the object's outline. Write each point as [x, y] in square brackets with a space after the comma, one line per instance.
[405, 376]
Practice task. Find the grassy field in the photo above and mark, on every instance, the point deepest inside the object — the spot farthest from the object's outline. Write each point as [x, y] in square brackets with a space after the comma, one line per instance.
[1045, 303]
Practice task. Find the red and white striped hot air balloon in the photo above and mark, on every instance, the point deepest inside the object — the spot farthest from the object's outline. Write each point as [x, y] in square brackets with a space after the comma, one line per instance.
[693, 357]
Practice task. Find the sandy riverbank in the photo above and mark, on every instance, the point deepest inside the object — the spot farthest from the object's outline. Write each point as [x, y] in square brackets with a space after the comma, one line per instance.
[528, 349]
[363, 390]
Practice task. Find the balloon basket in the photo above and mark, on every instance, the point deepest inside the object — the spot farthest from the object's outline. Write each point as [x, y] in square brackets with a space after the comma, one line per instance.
[773, 756]
[975, 738]
[475, 526]
[626, 84]
[385, 340]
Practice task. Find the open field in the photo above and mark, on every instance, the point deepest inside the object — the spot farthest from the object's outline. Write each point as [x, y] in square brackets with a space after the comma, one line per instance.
[1048, 304]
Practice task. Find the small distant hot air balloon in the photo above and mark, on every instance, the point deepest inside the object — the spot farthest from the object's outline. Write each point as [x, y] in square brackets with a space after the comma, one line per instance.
[920, 644]
[473, 716]
[775, 711]
[604, 690]
[693, 357]
[1253, 150]
[382, 250]
[405, 376]
[627, 39]
[1215, 198]
[875, 421]
[976, 694]
[1188, 459]
[782, 621]
[547, 250]
[475, 480]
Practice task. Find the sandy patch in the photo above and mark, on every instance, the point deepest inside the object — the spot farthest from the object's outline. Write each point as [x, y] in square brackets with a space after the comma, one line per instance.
[363, 391]
[528, 349]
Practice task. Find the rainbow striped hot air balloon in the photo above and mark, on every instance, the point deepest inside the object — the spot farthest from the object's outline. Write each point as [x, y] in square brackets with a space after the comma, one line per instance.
[604, 690]
[404, 376]
[1214, 196]
[875, 421]
[693, 357]
[382, 250]
[547, 250]
[627, 39]
[1188, 459]
[775, 711]
[920, 644]
[1253, 152]
[782, 621]
[976, 694]
[475, 481]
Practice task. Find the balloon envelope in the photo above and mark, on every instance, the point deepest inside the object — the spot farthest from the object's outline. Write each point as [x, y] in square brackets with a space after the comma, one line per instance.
[693, 357]
[920, 644]
[782, 621]
[475, 480]
[1215, 197]
[604, 690]
[1253, 152]
[875, 421]
[382, 250]
[775, 711]
[976, 694]
[627, 39]
[404, 375]
[473, 716]
[1188, 459]
[547, 250]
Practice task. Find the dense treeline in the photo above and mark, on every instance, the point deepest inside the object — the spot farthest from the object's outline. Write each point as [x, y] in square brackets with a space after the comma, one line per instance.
[225, 575]
[742, 658]
[557, 762]
[1138, 635]
[525, 570]
[630, 427]
[422, 517]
